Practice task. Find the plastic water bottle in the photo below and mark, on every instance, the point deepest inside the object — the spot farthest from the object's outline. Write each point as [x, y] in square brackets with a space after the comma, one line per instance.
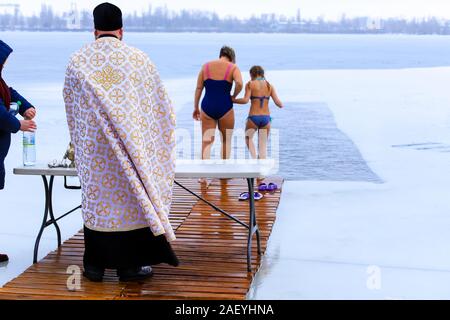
[14, 108]
[29, 149]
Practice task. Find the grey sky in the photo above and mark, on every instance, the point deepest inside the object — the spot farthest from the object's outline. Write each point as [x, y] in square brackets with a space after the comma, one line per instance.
[310, 8]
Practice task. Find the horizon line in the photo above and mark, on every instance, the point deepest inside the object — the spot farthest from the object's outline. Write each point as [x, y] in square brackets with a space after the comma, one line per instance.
[278, 16]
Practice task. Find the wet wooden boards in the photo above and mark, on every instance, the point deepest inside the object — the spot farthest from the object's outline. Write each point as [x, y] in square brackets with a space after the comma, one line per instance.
[210, 247]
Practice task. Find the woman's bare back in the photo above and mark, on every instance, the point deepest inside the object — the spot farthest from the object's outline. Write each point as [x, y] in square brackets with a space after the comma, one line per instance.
[218, 70]
[260, 92]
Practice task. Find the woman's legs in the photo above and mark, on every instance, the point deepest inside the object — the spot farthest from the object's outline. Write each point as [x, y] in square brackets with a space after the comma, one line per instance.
[263, 137]
[208, 133]
[226, 127]
[250, 130]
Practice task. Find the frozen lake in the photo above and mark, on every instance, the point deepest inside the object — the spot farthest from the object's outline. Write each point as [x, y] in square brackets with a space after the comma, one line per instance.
[180, 55]
[38, 64]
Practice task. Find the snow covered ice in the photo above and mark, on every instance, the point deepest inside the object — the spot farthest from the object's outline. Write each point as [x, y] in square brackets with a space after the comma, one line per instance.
[328, 235]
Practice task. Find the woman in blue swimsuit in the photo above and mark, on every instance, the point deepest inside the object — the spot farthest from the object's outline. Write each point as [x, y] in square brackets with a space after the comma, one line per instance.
[259, 91]
[217, 78]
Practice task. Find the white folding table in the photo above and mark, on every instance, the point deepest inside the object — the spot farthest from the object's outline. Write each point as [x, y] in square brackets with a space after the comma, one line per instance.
[212, 169]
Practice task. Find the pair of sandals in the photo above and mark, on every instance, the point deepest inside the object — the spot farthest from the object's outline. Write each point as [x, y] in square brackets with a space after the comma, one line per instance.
[271, 187]
[244, 196]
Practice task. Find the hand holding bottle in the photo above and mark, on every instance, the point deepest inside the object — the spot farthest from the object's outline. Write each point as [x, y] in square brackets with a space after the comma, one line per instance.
[28, 126]
[30, 114]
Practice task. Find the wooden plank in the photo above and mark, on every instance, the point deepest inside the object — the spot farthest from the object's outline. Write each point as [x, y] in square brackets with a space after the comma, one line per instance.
[210, 247]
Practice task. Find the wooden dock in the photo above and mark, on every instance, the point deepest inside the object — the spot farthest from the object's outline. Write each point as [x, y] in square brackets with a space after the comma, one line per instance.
[210, 247]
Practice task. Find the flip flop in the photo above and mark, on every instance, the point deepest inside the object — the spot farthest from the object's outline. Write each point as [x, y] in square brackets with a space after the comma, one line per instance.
[272, 187]
[258, 196]
[262, 187]
[244, 196]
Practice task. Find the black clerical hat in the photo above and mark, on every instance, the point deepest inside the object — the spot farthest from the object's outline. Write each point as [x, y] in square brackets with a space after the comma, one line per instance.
[107, 17]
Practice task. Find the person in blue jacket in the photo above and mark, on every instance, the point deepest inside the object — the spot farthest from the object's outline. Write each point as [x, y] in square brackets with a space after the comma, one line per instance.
[8, 122]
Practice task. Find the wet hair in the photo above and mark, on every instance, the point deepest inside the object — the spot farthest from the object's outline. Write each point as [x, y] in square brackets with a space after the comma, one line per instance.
[256, 71]
[228, 52]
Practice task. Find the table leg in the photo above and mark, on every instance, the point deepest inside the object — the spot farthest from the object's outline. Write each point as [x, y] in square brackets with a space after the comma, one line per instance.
[212, 205]
[253, 226]
[44, 221]
[48, 210]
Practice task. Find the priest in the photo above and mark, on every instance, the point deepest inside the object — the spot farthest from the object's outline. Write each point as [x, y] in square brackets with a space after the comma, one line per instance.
[121, 123]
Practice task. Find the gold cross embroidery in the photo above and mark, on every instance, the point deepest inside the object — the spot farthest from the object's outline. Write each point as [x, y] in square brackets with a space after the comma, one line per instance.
[103, 209]
[163, 156]
[159, 111]
[146, 106]
[98, 164]
[119, 197]
[68, 96]
[149, 86]
[93, 192]
[136, 60]
[109, 181]
[135, 78]
[97, 59]
[117, 58]
[139, 158]
[108, 77]
[78, 61]
[117, 96]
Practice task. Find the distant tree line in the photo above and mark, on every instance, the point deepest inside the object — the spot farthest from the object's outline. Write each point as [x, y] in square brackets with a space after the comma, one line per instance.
[162, 20]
